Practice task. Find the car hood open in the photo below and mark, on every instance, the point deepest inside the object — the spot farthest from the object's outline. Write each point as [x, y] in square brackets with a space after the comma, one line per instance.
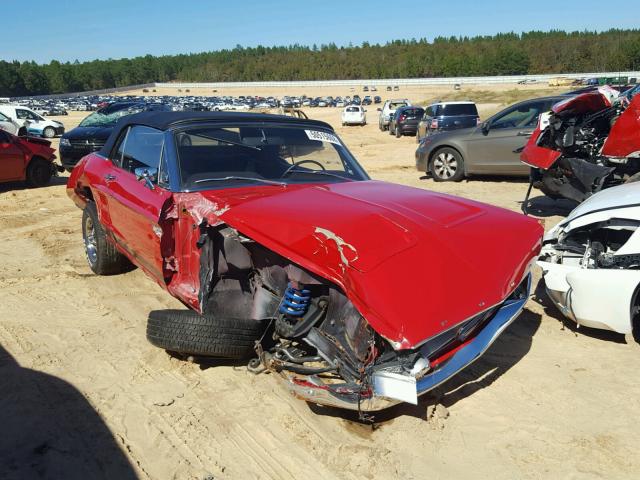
[414, 262]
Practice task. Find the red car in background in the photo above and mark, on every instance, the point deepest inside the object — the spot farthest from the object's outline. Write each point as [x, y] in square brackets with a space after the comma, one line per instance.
[360, 293]
[26, 159]
[585, 144]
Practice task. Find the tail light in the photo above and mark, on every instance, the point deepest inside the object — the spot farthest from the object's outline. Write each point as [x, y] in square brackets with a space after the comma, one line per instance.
[402, 118]
[478, 122]
[434, 124]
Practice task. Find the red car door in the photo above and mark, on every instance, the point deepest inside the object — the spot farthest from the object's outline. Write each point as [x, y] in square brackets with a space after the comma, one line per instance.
[132, 208]
[12, 158]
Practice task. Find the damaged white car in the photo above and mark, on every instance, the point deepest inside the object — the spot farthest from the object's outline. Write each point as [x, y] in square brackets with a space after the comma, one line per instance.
[591, 261]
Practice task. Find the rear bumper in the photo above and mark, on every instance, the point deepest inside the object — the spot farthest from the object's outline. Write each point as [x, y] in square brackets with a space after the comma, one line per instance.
[312, 389]
[409, 128]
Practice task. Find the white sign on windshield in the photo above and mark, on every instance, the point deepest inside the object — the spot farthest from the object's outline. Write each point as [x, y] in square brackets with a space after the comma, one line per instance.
[322, 136]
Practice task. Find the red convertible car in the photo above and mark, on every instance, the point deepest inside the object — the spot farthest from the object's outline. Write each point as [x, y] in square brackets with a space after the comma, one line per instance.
[26, 158]
[360, 293]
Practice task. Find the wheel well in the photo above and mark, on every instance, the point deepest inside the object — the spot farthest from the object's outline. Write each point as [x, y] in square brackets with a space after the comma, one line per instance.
[87, 193]
[440, 147]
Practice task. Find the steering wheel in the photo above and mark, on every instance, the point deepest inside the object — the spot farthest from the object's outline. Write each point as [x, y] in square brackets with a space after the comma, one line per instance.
[296, 164]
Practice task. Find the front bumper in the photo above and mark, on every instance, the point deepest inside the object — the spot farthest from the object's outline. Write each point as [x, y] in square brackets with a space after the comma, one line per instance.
[59, 130]
[313, 390]
[594, 298]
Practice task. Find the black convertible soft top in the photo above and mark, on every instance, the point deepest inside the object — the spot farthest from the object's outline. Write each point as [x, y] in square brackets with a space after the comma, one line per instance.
[167, 120]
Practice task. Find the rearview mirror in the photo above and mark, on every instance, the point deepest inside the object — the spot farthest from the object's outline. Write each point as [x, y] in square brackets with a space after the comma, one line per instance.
[148, 174]
[485, 127]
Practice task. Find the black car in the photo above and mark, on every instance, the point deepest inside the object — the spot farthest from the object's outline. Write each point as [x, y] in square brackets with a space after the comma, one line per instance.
[443, 116]
[405, 121]
[92, 133]
[377, 99]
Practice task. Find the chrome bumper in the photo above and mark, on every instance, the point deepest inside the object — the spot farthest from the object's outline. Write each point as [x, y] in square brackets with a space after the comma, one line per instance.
[313, 391]
[475, 348]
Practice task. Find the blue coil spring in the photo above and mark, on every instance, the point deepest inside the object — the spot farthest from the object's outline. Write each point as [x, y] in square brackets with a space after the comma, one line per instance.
[295, 302]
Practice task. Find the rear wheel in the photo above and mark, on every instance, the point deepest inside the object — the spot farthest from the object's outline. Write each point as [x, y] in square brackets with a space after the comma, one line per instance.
[39, 172]
[398, 132]
[186, 331]
[102, 255]
[447, 165]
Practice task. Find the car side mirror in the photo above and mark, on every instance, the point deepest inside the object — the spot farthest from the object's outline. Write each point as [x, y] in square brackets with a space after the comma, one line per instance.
[148, 174]
[485, 127]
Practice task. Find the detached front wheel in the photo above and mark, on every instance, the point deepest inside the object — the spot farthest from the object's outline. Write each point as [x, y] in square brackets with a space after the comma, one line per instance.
[102, 255]
[188, 332]
[447, 166]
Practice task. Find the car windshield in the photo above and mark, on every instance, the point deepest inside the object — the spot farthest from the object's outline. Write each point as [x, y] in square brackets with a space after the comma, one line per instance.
[212, 156]
[109, 116]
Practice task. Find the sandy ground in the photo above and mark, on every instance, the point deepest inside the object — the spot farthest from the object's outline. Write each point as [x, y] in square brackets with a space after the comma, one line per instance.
[83, 395]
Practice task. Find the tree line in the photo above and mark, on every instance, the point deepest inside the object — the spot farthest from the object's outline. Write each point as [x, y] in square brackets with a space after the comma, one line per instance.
[533, 52]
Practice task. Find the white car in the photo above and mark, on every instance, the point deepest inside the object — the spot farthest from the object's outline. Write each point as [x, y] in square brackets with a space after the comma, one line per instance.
[354, 115]
[591, 261]
[36, 124]
[8, 125]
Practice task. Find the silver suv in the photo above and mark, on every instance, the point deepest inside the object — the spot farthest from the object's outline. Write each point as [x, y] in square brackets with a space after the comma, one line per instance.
[388, 109]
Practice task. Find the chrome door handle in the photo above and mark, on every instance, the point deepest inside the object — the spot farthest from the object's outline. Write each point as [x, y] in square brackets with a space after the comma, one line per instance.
[109, 178]
[525, 134]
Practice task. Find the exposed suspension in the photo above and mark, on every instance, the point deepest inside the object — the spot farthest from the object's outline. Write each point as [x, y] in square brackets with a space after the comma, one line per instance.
[295, 302]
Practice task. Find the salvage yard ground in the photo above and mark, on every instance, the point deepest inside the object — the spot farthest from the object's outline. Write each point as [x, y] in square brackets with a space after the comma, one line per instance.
[546, 401]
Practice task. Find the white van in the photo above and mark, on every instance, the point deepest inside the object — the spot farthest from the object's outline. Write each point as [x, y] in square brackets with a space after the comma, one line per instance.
[36, 124]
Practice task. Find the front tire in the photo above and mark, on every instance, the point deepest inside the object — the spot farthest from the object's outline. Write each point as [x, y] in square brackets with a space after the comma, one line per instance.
[102, 255]
[49, 132]
[447, 165]
[39, 172]
[186, 331]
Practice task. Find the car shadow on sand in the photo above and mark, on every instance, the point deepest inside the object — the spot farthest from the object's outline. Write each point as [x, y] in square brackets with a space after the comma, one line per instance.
[506, 351]
[541, 298]
[49, 430]
[13, 186]
[543, 206]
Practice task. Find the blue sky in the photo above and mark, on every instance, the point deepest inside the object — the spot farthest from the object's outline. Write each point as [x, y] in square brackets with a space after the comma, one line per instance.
[85, 29]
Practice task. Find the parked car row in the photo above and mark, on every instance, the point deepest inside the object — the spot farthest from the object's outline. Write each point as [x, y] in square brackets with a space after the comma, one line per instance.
[191, 103]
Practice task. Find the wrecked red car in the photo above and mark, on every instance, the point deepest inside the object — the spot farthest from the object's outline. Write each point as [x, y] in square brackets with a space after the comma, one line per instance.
[360, 293]
[26, 159]
[585, 144]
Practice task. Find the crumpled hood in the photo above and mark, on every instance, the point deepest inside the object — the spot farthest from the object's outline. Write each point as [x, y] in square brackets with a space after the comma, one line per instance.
[414, 262]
